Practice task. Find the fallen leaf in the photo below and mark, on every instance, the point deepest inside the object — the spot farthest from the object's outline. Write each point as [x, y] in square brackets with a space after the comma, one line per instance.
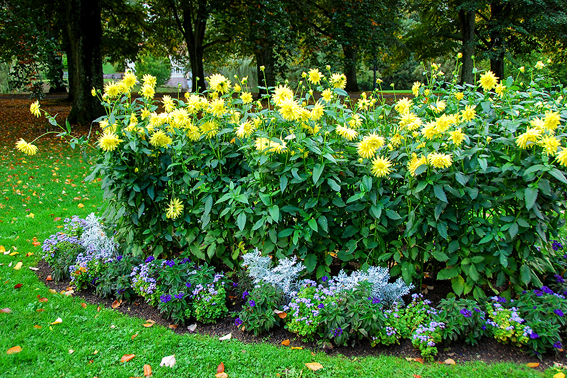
[37, 326]
[285, 342]
[98, 309]
[49, 278]
[559, 375]
[71, 351]
[416, 376]
[2, 249]
[40, 310]
[58, 321]
[282, 315]
[30, 215]
[52, 291]
[134, 336]
[298, 348]
[420, 360]
[449, 361]
[57, 219]
[29, 254]
[173, 326]
[147, 371]
[34, 268]
[14, 253]
[13, 350]
[18, 266]
[168, 361]
[314, 366]
[226, 337]
[43, 299]
[127, 357]
[116, 303]
[533, 364]
[80, 206]
[231, 297]
[221, 375]
[5, 310]
[148, 325]
[220, 368]
[192, 327]
[84, 305]
[18, 286]
[36, 244]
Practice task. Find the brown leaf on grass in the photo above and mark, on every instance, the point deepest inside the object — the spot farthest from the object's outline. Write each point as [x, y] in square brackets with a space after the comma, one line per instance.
[221, 375]
[147, 371]
[29, 254]
[148, 325]
[13, 350]
[43, 299]
[37, 326]
[420, 360]
[52, 291]
[116, 303]
[18, 286]
[298, 348]
[127, 357]
[449, 361]
[285, 342]
[173, 326]
[36, 244]
[5, 310]
[84, 305]
[57, 219]
[18, 266]
[40, 310]
[2, 249]
[281, 314]
[98, 309]
[58, 321]
[134, 336]
[416, 376]
[49, 278]
[533, 364]
[314, 366]
[220, 368]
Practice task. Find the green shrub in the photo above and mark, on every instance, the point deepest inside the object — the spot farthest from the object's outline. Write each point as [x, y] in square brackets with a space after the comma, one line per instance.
[159, 67]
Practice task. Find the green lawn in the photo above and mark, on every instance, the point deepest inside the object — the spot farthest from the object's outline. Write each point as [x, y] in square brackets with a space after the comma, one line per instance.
[49, 186]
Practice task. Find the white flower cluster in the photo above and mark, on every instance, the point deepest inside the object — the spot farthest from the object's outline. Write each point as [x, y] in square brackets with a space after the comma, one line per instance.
[387, 292]
[284, 275]
[94, 239]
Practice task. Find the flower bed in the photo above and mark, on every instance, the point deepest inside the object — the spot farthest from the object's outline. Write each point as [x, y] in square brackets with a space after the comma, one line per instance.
[337, 310]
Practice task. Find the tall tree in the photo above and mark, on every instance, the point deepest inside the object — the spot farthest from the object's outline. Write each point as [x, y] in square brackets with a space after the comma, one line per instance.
[354, 25]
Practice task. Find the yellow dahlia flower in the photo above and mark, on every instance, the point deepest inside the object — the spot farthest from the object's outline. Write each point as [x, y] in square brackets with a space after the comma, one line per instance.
[561, 157]
[315, 76]
[174, 209]
[34, 109]
[439, 160]
[26, 148]
[469, 113]
[381, 166]
[346, 133]
[488, 80]
[109, 141]
[160, 139]
[550, 144]
[457, 137]
[246, 97]
[338, 81]
[528, 139]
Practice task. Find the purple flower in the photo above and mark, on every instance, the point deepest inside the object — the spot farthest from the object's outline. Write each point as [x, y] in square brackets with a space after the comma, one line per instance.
[321, 305]
[170, 263]
[235, 284]
[558, 312]
[252, 303]
[188, 284]
[466, 313]
[559, 279]
[484, 327]
[337, 332]
[165, 298]
[245, 294]
[547, 290]
[324, 278]
[534, 335]
[556, 245]
[558, 345]
[149, 259]
[238, 322]
[179, 295]
[119, 258]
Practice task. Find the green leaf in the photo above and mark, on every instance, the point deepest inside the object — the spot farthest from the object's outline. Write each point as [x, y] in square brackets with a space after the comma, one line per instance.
[355, 197]
[453, 246]
[531, 197]
[558, 175]
[283, 183]
[285, 233]
[376, 211]
[330, 158]
[367, 183]
[525, 274]
[208, 205]
[442, 229]
[445, 274]
[422, 168]
[310, 262]
[440, 256]
[333, 184]
[241, 221]
[503, 260]
[440, 193]
[392, 215]
[461, 178]
[317, 171]
[513, 230]
[458, 284]
[323, 223]
[534, 168]
[274, 212]
[473, 273]
[420, 186]
[483, 163]
[313, 224]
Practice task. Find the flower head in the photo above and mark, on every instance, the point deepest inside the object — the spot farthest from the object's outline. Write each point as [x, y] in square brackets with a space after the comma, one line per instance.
[488, 80]
[34, 109]
[109, 141]
[174, 209]
[381, 166]
[26, 148]
[219, 83]
[315, 76]
[160, 139]
[528, 139]
[338, 81]
[346, 133]
[457, 136]
[246, 97]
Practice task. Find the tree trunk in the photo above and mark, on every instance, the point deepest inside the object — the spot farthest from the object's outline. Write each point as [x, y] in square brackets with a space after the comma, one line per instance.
[267, 77]
[497, 49]
[84, 33]
[194, 33]
[467, 20]
[350, 60]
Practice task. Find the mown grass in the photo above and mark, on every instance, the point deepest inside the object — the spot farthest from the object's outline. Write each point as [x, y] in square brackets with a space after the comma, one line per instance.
[49, 186]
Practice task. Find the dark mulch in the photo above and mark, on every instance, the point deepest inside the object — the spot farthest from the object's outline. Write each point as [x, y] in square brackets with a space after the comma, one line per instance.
[488, 350]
